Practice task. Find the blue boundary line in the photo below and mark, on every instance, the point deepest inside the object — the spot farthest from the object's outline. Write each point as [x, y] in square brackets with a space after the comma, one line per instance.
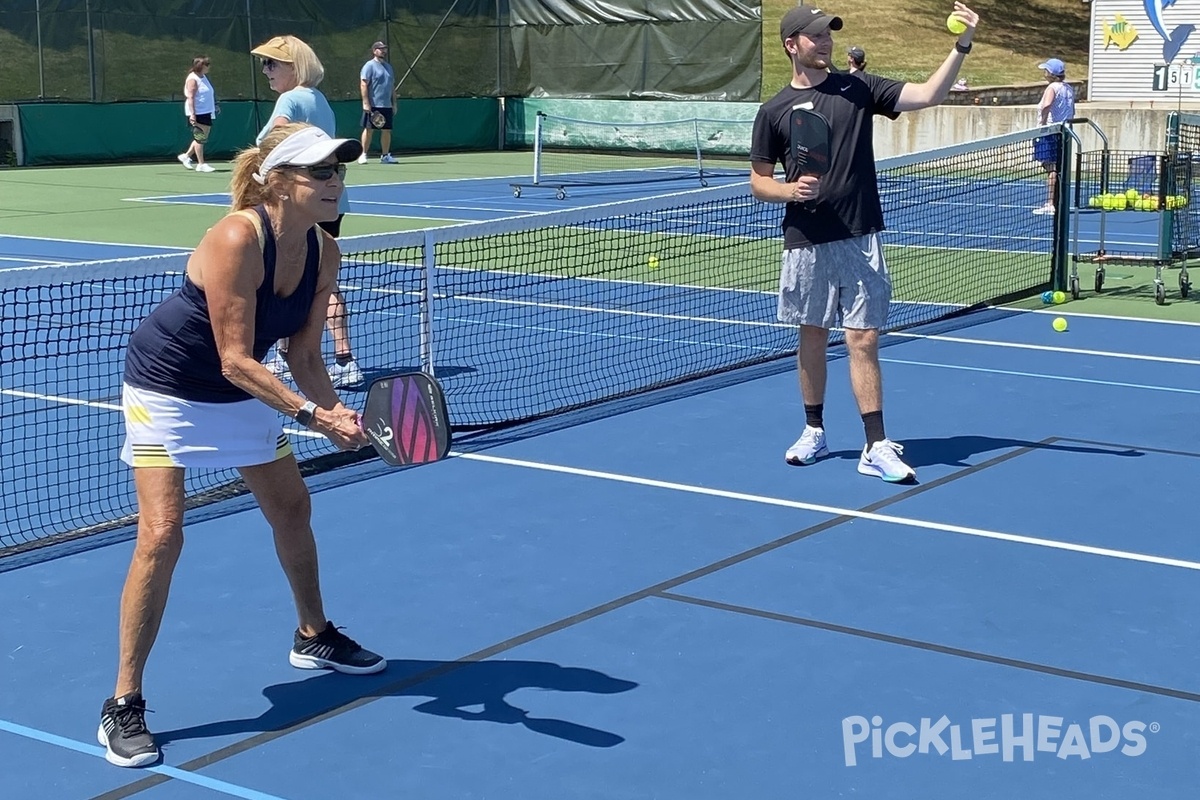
[231, 789]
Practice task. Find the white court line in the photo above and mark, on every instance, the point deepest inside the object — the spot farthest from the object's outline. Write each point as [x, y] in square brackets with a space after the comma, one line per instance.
[907, 522]
[1048, 348]
[170, 248]
[53, 398]
[1064, 378]
[1117, 317]
[32, 262]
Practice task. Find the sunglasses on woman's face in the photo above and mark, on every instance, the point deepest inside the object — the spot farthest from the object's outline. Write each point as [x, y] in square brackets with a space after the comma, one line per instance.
[269, 64]
[322, 172]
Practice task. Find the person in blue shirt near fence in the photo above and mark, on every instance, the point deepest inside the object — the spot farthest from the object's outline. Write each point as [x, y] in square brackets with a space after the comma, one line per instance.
[293, 70]
[377, 84]
[1057, 105]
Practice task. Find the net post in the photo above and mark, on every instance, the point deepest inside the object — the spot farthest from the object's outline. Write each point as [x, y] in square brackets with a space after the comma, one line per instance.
[1168, 187]
[428, 253]
[1166, 227]
[699, 155]
[537, 148]
[1062, 213]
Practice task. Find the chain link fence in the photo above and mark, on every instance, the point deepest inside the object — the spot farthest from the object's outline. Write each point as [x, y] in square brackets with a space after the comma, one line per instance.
[120, 50]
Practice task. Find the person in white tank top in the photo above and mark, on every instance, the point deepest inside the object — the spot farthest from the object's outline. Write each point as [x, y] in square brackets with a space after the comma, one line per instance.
[1057, 105]
[200, 106]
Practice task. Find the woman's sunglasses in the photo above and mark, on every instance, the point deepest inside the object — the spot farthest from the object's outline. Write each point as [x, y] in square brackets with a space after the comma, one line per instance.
[269, 64]
[322, 172]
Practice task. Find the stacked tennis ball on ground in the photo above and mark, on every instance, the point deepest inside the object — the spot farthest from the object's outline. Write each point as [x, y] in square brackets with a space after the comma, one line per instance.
[1133, 200]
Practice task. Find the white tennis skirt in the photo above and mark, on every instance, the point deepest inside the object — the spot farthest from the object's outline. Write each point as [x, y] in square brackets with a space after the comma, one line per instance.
[164, 431]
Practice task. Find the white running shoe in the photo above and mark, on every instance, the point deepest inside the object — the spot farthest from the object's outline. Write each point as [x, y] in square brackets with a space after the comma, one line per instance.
[279, 368]
[1046, 209]
[363, 158]
[386, 158]
[808, 448]
[205, 168]
[882, 460]
[186, 160]
[348, 374]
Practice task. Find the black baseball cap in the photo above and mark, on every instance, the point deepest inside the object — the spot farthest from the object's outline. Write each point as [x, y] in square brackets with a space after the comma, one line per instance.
[857, 54]
[807, 19]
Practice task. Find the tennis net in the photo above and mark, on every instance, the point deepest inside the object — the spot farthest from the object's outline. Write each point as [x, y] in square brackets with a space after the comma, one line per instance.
[575, 152]
[518, 318]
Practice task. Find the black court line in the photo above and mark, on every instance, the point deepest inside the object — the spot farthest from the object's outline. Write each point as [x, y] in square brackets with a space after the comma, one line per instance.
[1116, 446]
[1030, 666]
[656, 590]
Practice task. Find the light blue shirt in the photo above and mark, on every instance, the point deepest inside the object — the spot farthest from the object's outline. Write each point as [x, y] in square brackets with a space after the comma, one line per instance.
[381, 82]
[1062, 108]
[305, 104]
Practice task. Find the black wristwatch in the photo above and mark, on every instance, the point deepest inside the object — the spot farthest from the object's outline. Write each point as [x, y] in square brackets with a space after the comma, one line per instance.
[305, 415]
[960, 48]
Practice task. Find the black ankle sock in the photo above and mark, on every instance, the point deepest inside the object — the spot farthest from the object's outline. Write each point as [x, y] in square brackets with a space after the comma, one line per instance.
[873, 425]
[343, 359]
[814, 416]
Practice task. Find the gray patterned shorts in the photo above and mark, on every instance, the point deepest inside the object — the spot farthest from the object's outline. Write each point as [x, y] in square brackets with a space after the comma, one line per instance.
[844, 281]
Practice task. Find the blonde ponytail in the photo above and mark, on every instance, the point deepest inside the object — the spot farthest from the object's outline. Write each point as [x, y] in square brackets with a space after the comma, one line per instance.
[244, 189]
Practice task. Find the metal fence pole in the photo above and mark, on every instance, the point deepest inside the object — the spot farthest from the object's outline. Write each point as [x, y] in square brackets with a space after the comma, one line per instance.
[91, 49]
[41, 62]
[253, 71]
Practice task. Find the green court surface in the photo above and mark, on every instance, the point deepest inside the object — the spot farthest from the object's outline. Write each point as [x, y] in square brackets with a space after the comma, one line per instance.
[99, 203]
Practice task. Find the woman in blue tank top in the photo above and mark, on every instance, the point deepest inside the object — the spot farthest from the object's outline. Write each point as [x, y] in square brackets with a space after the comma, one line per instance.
[197, 395]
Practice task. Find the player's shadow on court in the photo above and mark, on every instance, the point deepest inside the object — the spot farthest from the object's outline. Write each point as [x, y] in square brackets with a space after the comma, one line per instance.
[474, 691]
[958, 451]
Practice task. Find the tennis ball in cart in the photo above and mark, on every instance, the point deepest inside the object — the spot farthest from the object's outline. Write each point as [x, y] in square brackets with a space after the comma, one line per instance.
[954, 25]
[1131, 195]
[1059, 324]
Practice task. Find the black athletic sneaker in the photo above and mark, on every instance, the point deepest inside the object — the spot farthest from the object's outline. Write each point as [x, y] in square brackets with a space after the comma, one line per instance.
[332, 649]
[123, 732]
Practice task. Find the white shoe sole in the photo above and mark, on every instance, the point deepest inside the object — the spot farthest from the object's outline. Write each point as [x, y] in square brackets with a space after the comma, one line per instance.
[873, 472]
[117, 761]
[796, 462]
[300, 661]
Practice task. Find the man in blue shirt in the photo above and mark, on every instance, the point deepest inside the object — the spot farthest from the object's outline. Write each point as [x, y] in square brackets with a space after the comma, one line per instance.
[377, 84]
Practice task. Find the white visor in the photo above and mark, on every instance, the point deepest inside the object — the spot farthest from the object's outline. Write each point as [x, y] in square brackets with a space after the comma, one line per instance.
[305, 148]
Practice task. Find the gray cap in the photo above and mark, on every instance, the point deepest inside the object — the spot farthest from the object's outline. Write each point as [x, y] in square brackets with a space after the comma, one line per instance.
[857, 54]
[807, 19]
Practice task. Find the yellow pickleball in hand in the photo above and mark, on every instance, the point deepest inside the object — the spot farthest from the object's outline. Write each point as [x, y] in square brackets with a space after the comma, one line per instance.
[955, 25]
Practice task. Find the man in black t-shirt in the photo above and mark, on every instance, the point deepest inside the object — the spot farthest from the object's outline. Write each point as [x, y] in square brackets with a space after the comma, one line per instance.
[833, 267]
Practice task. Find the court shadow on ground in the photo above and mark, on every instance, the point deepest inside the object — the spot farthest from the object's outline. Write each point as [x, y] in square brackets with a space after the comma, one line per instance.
[473, 691]
[957, 451]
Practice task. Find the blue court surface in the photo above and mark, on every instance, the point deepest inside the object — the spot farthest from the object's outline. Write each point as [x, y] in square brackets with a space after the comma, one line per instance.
[31, 251]
[476, 199]
[644, 601]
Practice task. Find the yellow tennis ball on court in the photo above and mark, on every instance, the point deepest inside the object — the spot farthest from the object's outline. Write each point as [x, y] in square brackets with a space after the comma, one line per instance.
[653, 262]
[1059, 324]
[1059, 297]
[955, 25]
